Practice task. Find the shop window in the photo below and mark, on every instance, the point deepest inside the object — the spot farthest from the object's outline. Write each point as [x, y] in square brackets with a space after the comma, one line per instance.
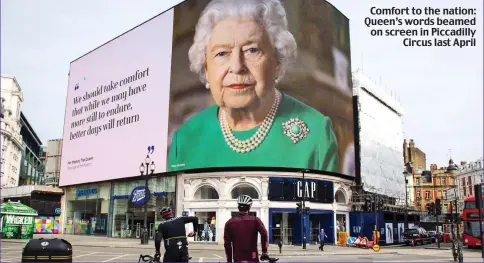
[206, 192]
[207, 230]
[339, 197]
[128, 219]
[245, 189]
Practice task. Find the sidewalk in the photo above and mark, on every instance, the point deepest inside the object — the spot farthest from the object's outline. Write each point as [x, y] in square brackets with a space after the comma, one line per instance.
[95, 241]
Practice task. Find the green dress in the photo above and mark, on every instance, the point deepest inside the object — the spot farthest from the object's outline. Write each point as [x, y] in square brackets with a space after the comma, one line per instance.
[199, 142]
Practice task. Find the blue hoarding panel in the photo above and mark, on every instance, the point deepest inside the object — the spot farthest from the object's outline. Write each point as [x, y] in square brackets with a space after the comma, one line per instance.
[363, 223]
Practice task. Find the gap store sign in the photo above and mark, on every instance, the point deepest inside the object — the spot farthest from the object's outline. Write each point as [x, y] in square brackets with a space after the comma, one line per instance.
[293, 189]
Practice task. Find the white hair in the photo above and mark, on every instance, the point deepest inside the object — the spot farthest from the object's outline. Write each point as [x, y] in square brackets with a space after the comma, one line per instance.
[269, 13]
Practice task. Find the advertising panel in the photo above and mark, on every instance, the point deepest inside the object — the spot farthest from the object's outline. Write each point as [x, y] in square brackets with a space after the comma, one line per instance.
[46, 224]
[186, 91]
[401, 229]
[17, 226]
[389, 233]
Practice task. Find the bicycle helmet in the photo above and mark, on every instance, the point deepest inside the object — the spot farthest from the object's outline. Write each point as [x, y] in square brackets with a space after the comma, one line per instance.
[164, 211]
[244, 200]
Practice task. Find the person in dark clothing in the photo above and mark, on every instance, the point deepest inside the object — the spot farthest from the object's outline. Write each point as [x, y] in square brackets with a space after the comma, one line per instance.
[321, 238]
[172, 231]
[241, 232]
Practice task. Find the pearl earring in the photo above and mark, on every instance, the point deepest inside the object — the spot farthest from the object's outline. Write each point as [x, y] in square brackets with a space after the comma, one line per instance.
[207, 85]
[276, 80]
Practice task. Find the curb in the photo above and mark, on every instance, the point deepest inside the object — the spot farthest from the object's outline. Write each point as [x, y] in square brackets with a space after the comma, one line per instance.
[436, 248]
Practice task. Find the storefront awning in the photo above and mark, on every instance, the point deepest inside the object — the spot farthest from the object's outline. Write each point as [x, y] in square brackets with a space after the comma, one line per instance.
[16, 208]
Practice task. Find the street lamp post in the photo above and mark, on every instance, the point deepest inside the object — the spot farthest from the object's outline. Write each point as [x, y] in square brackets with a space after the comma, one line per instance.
[435, 211]
[147, 166]
[405, 174]
[304, 209]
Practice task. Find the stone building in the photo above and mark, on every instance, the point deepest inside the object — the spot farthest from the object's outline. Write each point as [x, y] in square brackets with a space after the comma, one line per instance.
[432, 184]
[415, 162]
[12, 98]
[468, 175]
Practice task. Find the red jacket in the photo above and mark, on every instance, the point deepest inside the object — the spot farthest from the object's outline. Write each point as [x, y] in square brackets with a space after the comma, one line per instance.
[240, 235]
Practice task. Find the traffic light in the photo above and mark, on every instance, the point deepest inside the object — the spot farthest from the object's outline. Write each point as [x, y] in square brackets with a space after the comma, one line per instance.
[477, 194]
[308, 210]
[438, 207]
[367, 205]
[428, 209]
[299, 208]
[380, 204]
[373, 205]
[432, 208]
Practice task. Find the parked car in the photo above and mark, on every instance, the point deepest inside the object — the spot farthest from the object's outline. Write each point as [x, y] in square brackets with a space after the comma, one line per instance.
[416, 235]
[434, 235]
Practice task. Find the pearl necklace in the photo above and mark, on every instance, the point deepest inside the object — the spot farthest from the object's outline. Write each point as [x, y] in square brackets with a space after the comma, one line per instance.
[245, 146]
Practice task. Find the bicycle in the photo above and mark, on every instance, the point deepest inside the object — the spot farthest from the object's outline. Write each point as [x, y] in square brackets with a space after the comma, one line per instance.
[148, 258]
[271, 260]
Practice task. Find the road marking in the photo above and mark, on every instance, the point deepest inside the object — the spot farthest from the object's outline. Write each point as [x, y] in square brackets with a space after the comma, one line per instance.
[86, 255]
[9, 252]
[103, 253]
[218, 256]
[200, 260]
[122, 256]
[7, 259]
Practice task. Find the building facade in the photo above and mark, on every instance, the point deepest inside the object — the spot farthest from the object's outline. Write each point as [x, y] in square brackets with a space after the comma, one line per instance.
[33, 155]
[53, 161]
[12, 99]
[112, 208]
[415, 162]
[432, 184]
[23, 162]
[468, 175]
[212, 198]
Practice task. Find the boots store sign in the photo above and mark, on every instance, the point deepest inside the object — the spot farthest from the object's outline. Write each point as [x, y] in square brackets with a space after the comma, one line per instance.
[293, 189]
[140, 195]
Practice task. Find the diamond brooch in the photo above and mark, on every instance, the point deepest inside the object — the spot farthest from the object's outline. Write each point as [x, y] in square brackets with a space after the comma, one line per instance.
[295, 129]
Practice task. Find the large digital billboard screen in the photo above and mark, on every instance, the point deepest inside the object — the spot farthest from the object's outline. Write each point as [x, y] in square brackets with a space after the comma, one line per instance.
[214, 84]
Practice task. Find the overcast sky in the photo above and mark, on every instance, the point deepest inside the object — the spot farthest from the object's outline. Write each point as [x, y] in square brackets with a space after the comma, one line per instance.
[441, 89]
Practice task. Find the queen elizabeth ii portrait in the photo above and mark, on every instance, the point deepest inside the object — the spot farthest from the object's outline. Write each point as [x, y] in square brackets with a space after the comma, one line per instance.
[241, 50]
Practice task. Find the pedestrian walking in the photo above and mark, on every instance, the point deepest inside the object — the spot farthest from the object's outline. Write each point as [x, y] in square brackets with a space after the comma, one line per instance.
[322, 236]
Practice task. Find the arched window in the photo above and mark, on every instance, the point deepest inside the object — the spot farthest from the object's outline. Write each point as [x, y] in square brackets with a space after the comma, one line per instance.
[245, 189]
[206, 192]
[339, 197]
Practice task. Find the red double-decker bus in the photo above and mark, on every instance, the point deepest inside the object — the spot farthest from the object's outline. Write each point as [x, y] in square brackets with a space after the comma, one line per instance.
[470, 219]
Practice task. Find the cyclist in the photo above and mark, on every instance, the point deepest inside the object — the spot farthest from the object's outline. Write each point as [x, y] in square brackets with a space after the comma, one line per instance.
[240, 235]
[172, 230]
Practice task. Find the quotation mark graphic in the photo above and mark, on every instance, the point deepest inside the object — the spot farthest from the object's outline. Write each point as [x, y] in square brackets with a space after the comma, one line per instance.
[151, 149]
[76, 87]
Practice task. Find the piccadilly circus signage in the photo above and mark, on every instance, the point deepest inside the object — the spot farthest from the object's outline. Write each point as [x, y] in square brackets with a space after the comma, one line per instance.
[140, 195]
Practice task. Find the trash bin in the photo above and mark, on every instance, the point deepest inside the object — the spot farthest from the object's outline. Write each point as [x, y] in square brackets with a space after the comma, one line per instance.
[47, 250]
